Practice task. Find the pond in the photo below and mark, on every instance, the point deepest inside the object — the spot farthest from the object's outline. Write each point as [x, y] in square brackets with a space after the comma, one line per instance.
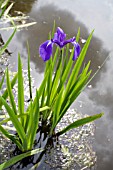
[70, 15]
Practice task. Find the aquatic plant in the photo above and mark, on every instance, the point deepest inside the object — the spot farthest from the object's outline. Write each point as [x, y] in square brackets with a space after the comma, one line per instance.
[64, 79]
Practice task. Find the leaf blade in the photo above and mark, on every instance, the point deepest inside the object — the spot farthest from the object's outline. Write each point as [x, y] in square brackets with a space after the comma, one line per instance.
[13, 82]
[11, 137]
[18, 158]
[14, 120]
[80, 123]
[20, 90]
[13, 104]
[7, 43]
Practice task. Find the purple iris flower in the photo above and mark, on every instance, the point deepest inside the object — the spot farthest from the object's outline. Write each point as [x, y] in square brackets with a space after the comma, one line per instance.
[45, 49]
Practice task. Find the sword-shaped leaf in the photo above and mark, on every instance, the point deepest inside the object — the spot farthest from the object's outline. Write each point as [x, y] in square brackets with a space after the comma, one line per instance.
[2, 81]
[15, 121]
[10, 94]
[17, 158]
[11, 137]
[5, 94]
[20, 90]
[80, 123]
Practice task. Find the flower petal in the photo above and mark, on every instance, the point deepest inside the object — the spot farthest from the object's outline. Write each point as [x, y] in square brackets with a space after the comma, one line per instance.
[60, 34]
[45, 50]
[59, 37]
[71, 40]
[76, 50]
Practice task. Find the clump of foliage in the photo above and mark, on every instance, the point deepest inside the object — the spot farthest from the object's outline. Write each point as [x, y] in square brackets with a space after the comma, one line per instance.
[65, 78]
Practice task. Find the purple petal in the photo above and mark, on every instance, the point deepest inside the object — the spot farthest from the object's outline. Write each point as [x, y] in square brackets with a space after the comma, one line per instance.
[59, 37]
[57, 42]
[71, 40]
[45, 50]
[60, 34]
[76, 50]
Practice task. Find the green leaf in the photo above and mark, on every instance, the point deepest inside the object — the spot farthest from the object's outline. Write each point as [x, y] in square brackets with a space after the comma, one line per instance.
[85, 70]
[11, 137]
[8, 119]
[56, 77]
[67, 70]
[73, 94]
[3, 6]
[49, 86]
[17, 158]
[50, 68]
[29, 73]
[55, 83]
[80, 123]
[26, 119]
[79, 85]
[13, 104]
[66, 58]
[44, 108]
[5, 94]
[33, 126]
[56, 110]
[48, 65]
[83, 77]
[78, 35]
[20, 90]
[7, 43]
[2, 81]
[43, 98]
[29, 125]
[45, 89]
[43, 84]
[14, 120]
[78, 64]
[55, 59]
[53, 31]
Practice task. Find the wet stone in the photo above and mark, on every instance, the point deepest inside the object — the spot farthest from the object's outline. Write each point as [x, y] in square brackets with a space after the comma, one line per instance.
[74, 149]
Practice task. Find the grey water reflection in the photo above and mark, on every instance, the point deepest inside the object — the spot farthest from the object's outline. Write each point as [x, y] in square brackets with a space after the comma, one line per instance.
[103, 97]
[45, 17]
[22, 5]
[99, 97]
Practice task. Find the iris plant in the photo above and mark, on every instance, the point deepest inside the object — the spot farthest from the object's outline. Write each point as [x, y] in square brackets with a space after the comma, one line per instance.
[45, 49]
[62, 83]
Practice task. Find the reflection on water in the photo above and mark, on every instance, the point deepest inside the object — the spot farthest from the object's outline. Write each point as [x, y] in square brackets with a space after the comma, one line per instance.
[45, 17]
[103, 97]
[70, 15]
[22, 5]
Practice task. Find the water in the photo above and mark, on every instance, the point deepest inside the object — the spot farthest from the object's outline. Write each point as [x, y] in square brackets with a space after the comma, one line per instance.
[70, 15]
